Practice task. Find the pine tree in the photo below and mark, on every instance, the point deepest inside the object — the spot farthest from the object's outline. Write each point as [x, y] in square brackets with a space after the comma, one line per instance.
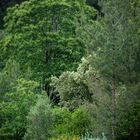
[117, 53]
[114, 46]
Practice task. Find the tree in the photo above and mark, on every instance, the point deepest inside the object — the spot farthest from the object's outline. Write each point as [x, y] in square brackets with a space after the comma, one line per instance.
[113, 42]
[116, 56]
[118, 52]
[40, 120]
[75, 88]
[8, 77]
[85, 88]
[14, 109]
[41, 35]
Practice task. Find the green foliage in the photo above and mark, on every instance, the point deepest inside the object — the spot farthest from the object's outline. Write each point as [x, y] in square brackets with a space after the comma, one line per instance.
[83, 87]
[88, 137]
[77, 87]
[71, 123]
[44, 38]
[9, 76]
[129, 125]
[45, 121]
[62, 121]
[40, 120]
[128, 116]
[15, 107]
[41, 35]
[80, 122]
[119, 41]
[117, 53]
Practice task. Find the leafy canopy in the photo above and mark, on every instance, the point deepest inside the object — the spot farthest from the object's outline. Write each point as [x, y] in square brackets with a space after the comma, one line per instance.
[42, 35]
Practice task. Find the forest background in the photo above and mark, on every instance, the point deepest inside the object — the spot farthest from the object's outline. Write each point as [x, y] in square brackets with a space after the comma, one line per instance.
[69, 69]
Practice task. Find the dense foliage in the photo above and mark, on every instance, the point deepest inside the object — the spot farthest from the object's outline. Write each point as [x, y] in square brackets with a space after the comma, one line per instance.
[70, 69]
[43, 33]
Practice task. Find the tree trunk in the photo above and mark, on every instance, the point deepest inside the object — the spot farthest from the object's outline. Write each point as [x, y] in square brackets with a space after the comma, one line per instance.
[113, 97]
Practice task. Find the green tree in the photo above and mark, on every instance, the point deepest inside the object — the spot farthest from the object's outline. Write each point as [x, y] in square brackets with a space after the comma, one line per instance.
[75, 88]
[40, 120]
[8, 77]
[112, 42]
[41, 34]
[14, 109]
[117, 53]
[85, 87]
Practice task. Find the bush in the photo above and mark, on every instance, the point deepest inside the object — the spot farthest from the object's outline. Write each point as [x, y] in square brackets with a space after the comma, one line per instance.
[80, 122]
[71, 123]
[88, 137]
[62, 121]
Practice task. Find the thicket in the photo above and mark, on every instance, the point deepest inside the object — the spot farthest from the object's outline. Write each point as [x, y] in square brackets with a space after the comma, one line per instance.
[68, 71]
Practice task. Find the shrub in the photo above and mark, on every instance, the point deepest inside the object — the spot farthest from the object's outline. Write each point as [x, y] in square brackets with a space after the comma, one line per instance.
[80, 121]
[71, 123]
[88, 137]
[62, 121]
